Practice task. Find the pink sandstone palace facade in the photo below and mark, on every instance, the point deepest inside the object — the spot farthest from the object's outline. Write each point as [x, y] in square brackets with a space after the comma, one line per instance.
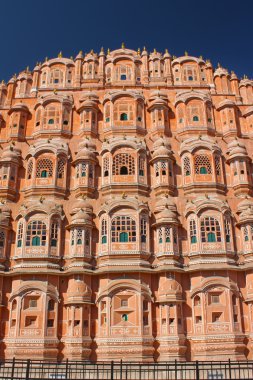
[126, 209]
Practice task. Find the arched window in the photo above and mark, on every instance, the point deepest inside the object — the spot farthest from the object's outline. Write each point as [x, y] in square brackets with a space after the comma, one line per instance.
[203, 170]
[107, 113]
[211, 237]
[108, 74]
[189, 73]
[36, 234]
[187, 166]
[193, 231]
[197, 301]
[61, 168]
[38, 117]
[51, 304]
[44, 168]
[160, 235]
[44, 78]
[56, 77]
[79, 236]
[69, 74]
[123, 116]
[202, 164]
[36, 241]
[87, 238]
[123, 237]
[164, 167]
[195, 118]
[123, 229]
[123, 160]
[123, 110]
[143, 230]
[227, 230]
[245, 233]
[141, 166]
[104, 231]
[123, 72]
[210, 230]
[2, 239]
[125, 317]
[123, 170]
[217, 162]
[51, 116]
[106, 166]
[167, 234]
[81, 170]
[54, 234]
[20, 234]
[248, 232]
[30, 169]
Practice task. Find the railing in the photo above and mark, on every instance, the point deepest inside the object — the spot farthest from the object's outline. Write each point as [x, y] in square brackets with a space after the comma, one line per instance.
[81, 370]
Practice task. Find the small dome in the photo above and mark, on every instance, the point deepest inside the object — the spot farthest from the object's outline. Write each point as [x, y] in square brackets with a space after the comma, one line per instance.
[81, 217]
[233, 75]
[225, 103]
[3, 86]
[166, 54]
[169, 290]
[166, 216]
[158, 98]
[236, 149]
[10, 153]
[162, 148]
[82, 213]
[162, 151]
[79, 55]
[245, 82]
[245, 209]
[5, 214]
[78, 292]
[245, 204]
[165, 202]
[220, 71]
[86, 150]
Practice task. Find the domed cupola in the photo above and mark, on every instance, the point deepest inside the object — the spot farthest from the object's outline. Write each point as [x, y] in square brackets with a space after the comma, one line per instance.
[78, 308]
[10, 162]
[88, 111]
[166, 226]
[229, 117]
[240, 166]
[5, 231]
[24, 84]
[78, 292]
[85, 163]
[169, 299]
[245, 211]
[246, 90]
[163, 163]
[159, 112]
[202, 165]
[19, 114]
[222, 80]
[81, 231]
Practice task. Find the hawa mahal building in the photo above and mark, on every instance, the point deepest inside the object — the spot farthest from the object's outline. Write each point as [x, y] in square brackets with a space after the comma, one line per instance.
[126, 210]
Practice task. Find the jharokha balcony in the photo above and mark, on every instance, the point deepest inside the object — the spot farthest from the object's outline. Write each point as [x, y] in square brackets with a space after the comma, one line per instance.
[47, 168]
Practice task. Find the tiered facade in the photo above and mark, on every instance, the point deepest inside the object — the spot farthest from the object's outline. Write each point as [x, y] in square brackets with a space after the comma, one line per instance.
[126, 210]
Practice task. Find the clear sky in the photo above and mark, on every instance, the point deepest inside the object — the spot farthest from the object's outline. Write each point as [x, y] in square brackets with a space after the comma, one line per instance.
[219, 30]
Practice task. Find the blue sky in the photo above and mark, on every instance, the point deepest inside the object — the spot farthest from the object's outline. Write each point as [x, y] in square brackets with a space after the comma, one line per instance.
[218, 30]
